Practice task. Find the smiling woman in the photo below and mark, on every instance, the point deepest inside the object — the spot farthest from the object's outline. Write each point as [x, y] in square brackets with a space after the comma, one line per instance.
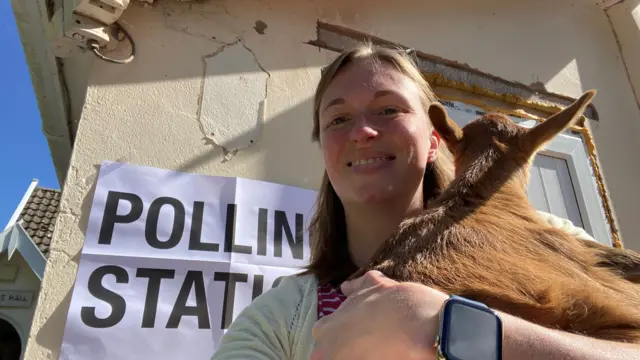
[377, 142]
[382, 159]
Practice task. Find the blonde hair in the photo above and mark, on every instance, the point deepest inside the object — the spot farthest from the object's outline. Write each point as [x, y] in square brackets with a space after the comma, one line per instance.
[330, 259]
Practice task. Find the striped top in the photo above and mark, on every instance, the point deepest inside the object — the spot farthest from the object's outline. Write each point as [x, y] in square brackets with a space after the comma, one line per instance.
[329, 299]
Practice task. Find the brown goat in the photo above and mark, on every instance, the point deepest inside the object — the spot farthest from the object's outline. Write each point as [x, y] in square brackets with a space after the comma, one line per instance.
[624, 262]
[482, 239]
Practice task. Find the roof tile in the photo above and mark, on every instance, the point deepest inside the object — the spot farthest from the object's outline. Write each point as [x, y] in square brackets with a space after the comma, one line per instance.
[38, 217]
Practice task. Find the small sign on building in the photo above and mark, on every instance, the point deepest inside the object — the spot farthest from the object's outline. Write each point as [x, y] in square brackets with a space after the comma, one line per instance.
[11, 298]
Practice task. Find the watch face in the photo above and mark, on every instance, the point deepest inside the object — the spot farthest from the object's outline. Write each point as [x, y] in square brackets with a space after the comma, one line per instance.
[470, 331]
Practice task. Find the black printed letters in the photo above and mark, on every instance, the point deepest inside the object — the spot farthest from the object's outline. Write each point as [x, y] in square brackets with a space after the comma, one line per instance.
[155, 277]
[193, 283]
[111, 217]
[193, 280]
[195, 242]
[281, 226]
[162, 224]
[117, 302]
[230, 280]
[230, 232]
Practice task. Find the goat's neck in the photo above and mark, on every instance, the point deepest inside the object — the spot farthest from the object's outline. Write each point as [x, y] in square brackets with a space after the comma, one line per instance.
[483, 179]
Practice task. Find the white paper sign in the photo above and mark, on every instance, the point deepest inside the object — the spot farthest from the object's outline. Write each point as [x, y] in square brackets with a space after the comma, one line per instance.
[171, 258]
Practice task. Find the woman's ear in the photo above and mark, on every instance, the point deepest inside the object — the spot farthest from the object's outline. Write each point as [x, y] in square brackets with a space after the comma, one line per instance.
[434, 144]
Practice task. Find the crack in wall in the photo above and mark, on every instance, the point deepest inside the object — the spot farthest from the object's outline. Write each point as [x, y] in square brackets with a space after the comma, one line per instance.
[75, 215]
[622, 57]
[255, 58]
[209, 138]
[66, 255]
[201, 19]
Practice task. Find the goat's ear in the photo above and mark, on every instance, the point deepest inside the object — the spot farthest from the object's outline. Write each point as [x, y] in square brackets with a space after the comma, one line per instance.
[448, 130]
[557, 123]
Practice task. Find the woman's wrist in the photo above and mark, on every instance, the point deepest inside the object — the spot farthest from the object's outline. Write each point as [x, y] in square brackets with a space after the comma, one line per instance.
[524, 340]
[426, 326]
[527, 341]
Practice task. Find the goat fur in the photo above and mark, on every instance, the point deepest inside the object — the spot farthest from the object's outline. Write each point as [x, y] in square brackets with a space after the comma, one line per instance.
[482, 239]
[622, 261]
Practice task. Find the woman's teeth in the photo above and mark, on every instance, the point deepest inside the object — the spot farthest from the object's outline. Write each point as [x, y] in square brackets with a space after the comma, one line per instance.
[369, 161]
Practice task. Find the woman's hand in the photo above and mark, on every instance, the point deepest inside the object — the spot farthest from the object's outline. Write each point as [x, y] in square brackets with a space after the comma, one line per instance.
[380, 319]
[384, 319]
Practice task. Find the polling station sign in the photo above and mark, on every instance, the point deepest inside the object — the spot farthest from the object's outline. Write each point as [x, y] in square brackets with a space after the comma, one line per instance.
[171, 258]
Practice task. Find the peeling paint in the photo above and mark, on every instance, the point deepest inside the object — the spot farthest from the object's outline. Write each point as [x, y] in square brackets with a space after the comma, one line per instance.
[232, 99]
[260, 27]
[538, 86]
[606, 4]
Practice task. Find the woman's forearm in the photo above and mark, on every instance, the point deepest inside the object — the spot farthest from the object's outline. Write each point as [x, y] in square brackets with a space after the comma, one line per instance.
[527, 341]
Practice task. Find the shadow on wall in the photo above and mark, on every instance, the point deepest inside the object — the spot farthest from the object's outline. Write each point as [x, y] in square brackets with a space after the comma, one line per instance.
[284, 142]
[172, 37]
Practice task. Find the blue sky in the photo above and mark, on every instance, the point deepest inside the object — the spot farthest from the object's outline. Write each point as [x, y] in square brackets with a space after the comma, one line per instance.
[24, 153]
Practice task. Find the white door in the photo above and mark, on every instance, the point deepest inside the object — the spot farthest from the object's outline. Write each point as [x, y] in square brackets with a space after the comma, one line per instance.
[551, 190]
[561, 180]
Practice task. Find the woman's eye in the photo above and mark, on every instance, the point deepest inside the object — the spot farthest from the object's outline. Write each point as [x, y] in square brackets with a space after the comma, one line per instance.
[338, 120]
[389, 111]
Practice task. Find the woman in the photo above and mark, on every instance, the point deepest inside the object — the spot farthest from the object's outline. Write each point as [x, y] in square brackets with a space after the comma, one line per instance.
[383, 163]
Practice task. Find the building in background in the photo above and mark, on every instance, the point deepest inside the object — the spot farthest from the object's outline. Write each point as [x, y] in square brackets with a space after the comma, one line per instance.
[225, 88]
[24, 248]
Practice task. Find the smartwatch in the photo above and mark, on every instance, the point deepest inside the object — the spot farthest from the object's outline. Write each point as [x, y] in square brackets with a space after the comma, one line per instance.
[469, 330]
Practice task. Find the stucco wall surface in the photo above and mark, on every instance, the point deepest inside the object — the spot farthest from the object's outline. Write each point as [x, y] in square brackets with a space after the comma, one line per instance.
[158, 110]
[625, 19]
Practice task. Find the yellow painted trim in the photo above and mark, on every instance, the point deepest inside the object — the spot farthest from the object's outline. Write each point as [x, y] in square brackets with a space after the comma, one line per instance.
[593, 157]
[438, 80]
[441, 80]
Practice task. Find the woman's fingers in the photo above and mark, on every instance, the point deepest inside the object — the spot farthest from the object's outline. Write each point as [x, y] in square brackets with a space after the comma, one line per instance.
[369, 279]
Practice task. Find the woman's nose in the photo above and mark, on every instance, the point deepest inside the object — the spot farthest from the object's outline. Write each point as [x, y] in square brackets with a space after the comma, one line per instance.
[362, 129]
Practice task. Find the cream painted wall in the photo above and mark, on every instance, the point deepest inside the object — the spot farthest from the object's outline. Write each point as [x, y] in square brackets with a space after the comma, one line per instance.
[147, 112]
[625, 19]
[25, 280]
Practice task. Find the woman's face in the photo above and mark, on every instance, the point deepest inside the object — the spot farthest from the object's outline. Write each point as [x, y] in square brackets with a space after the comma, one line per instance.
[375, 134]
